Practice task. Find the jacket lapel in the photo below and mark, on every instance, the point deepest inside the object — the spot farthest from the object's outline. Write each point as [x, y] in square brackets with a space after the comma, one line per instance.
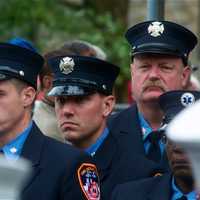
[129, 132]
[32, 151]
[104, 156]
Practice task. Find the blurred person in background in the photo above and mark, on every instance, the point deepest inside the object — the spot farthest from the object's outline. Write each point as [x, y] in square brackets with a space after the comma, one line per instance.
[44, 111]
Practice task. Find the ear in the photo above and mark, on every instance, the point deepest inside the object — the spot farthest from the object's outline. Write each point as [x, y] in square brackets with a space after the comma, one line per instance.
[28, 95]
[131, 68]
[186, 76]
[108, 105]
[47, 82]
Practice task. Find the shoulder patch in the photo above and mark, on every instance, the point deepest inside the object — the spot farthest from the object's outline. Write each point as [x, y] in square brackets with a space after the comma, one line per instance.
[89, 181]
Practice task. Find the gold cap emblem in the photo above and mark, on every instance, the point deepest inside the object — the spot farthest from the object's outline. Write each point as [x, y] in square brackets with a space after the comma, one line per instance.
[66, 65]
[155, 29]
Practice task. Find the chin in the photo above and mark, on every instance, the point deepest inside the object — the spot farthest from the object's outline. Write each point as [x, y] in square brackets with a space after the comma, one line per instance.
[151, 97]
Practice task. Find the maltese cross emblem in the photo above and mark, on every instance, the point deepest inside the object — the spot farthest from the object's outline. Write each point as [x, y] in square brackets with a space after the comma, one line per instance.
[66, 65]
[155, 29]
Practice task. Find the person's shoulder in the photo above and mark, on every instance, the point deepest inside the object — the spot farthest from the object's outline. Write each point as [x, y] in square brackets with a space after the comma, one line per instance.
[138, 185]
[122, 115]
[60, 147]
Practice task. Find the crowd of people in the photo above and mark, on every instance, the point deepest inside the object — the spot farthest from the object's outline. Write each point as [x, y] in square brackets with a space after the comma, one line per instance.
[55, 111]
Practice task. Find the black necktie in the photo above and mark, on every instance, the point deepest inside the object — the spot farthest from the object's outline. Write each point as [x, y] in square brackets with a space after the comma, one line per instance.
[182, 198]
[1, 152]
[154, 152]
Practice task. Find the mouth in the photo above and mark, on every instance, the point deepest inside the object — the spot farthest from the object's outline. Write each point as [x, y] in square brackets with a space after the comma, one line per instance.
[154, 88]
[68, 125]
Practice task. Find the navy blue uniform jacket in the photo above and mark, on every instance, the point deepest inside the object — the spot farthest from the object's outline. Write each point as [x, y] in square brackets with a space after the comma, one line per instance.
[121, 156]
[156, 188]
[54, 166]
[127, 123]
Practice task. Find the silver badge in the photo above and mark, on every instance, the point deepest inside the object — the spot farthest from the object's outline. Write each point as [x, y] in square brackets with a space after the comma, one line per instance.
[155, 29]
[66, 65]
[187, 99]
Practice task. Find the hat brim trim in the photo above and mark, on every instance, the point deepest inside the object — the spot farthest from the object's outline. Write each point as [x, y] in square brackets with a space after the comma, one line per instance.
[4, 77]
[71, 90]
[157, 51]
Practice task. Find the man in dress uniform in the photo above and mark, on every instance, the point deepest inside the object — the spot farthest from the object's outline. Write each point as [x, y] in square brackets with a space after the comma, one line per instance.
[177, 185]
[83, 90]
[160, 51]
[44, 109]
[59, 170]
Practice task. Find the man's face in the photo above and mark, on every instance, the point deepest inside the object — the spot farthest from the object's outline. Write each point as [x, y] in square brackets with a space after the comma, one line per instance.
[82, 118]
[12, 109]
[152, 75]
[178, 160]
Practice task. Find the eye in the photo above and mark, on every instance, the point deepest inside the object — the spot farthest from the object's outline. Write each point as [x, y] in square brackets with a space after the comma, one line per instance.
[143, 67]
[81, 99]
[2, 93]
[60, 100]
[166, 68]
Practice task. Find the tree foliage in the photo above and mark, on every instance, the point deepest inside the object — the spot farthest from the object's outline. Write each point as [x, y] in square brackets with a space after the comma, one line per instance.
[49, 23]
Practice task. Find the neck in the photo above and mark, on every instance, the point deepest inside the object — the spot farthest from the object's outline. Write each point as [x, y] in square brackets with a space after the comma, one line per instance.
[91, 139]
[152, 113]
[185, 184]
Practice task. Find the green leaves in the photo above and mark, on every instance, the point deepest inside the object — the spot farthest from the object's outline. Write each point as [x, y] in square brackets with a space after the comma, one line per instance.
[49, 23]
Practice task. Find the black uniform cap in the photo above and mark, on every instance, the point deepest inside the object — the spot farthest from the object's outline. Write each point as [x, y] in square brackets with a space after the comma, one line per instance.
[161, 37]
[81, 75]
[174, 101]
[21, 63]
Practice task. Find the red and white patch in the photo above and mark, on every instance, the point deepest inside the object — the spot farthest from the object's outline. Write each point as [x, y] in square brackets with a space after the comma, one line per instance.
[89, 181]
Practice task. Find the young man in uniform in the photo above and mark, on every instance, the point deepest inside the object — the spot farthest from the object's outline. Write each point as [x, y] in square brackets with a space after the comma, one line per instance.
[83, 91]
[59, 170]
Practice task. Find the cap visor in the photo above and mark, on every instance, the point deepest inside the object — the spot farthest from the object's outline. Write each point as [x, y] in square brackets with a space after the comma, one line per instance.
[4, 77]
[70, 90]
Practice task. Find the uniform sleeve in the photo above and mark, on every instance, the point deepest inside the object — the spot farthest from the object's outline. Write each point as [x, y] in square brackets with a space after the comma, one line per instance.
[81, 179]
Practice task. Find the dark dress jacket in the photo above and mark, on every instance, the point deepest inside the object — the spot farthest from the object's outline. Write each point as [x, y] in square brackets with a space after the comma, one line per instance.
[155, 188]
[127, 123]
[121, 156]
[54, 166]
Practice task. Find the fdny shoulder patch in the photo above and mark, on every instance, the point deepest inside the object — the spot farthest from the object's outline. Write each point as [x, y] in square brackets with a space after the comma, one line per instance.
[89, 181]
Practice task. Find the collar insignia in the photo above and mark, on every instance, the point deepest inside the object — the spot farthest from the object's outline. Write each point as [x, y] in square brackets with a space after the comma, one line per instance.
[66, 65]
[155, 29]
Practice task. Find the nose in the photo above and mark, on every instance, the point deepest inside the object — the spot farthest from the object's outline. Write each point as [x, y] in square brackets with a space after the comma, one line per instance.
[68, 109]
[154, 73]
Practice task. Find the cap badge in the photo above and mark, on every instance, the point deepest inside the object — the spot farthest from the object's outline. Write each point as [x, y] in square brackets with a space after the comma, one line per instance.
[66, 65]
[187, 99]
[155, 29]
